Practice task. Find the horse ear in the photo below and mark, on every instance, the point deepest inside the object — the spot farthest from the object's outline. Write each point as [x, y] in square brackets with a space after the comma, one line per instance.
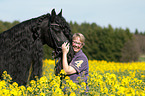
[53, 14]
[60, 14]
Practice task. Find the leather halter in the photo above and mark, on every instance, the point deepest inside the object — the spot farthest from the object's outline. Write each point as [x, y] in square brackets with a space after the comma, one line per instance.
[57, 49]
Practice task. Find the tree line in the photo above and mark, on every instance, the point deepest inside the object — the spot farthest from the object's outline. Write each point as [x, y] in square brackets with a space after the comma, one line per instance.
[102, 43]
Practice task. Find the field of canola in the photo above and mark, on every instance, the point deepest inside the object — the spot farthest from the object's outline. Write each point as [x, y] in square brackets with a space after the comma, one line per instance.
[105, 79]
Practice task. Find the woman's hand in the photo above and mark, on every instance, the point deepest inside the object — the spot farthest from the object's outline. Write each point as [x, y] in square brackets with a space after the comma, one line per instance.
[68, 69]
[65, 47]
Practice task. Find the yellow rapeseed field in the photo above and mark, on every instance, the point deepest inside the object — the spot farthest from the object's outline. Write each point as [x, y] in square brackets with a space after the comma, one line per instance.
[105, 79]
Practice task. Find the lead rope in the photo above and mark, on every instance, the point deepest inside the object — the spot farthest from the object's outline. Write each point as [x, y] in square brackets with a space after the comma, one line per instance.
[57, 65]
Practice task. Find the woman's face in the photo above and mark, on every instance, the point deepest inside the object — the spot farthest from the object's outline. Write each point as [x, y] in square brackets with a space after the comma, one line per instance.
[77, 44]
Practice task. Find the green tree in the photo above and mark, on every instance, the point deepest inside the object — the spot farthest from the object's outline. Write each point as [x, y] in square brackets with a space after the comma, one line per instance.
[2, 27]
[102, 43]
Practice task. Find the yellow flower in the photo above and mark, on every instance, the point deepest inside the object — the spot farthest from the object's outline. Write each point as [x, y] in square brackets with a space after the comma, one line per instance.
[2, 83]
[29, 89]
[22, 88]
[42, 94]
[6, 92]
[72, 94]
[15, 84]
[14, 92]
[62, 72]
[105, 78]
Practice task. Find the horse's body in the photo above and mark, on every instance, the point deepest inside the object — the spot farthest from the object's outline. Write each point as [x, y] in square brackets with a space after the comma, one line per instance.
[21, 46]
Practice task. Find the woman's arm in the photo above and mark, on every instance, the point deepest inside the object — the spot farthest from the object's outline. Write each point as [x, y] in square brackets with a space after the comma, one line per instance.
[68, 69]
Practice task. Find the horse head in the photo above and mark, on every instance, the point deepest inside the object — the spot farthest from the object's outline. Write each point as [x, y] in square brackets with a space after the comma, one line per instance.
[56, 32]
[59, 29]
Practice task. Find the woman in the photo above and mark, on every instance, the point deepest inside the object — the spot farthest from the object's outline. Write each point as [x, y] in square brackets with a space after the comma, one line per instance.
[79, 64]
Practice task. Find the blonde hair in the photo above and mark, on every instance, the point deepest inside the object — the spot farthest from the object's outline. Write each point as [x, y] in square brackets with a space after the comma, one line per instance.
[81, 36]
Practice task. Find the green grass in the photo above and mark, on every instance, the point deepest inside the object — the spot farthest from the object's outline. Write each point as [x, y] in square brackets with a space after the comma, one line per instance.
[142, 58]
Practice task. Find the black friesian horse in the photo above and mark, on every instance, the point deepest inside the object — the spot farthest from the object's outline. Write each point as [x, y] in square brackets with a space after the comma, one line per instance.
[21, 46]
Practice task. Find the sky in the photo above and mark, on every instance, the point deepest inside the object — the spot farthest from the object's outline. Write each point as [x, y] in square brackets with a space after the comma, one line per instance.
[119, 13]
